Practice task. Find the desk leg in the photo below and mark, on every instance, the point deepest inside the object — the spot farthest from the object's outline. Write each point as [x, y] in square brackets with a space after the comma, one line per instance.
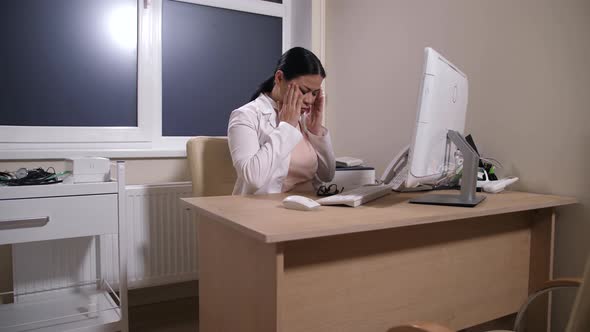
[239, 280]
[541, 268]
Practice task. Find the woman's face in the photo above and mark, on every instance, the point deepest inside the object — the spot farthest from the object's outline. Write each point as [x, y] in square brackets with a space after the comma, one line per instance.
[309, 85]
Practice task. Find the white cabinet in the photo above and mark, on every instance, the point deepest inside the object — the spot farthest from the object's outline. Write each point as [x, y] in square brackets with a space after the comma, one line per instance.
[37, 219]
[57, 212]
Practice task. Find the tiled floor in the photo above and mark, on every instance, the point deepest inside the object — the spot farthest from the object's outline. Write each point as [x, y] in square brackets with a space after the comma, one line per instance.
[172, 316]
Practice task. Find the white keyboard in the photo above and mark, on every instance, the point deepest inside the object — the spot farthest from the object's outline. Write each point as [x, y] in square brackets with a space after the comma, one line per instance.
[357, 196]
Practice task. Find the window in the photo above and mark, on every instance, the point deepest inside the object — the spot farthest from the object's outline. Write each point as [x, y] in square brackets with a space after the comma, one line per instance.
[69, 71]
[212, 61]
[75, 65]
[131, 74]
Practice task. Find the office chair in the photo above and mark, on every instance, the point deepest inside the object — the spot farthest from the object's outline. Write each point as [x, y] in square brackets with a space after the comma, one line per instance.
[579, 320]
[211, 166]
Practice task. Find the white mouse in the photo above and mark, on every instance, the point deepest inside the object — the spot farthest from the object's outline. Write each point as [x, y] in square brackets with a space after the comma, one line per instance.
[301, 203]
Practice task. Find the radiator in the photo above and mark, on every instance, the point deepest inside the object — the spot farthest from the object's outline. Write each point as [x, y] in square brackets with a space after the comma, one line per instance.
[161, 247]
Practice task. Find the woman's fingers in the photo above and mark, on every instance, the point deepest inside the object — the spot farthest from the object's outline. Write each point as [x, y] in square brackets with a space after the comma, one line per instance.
[294, 95]
[289, 112]
[322, 97]
[319, 100]
[287, 95]
[299, 102]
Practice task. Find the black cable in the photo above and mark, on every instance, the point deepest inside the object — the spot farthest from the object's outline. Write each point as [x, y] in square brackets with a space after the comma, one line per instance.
[35, 176]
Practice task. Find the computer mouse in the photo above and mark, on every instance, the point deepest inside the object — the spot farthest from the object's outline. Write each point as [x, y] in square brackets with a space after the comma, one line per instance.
[301, 203]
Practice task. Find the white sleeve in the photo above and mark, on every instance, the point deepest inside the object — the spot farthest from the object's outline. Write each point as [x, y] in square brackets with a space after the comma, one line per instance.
[255, 163]
[326, 160]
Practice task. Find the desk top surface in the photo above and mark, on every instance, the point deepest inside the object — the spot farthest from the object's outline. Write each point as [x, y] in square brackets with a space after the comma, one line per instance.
[264, 218]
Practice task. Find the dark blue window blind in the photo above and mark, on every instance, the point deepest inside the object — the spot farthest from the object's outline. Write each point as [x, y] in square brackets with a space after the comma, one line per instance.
[68, 63]
[213, 59]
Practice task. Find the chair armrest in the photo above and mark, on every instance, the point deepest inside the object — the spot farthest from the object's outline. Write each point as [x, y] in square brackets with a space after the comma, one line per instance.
[420, 327]
[560, 282]
[547, 287]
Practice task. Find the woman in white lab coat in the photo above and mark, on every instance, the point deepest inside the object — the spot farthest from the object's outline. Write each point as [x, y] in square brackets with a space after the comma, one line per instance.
[277, 141]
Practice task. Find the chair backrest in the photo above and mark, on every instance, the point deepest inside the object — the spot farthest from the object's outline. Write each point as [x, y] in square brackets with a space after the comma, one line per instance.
[580, 316]
[211, 166]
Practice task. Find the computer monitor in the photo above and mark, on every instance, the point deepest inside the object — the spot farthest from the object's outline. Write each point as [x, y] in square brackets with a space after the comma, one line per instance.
[438, 132]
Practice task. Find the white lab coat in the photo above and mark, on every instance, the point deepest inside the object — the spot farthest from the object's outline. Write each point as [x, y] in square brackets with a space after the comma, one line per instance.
[261, 149]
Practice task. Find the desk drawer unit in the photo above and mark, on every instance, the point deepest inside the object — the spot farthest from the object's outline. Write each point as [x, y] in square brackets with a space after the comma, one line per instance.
[37, 219]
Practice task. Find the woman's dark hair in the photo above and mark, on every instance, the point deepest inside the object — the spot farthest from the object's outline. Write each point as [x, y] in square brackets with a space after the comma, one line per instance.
[294, 63]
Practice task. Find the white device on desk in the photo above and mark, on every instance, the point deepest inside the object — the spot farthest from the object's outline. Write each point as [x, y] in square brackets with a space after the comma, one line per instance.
[353, 177]
[89, 169]
[393, 178]
[438, 133]
[497, 186]
[437, 136]
[348, 162]
[301, 203]
[396, 173]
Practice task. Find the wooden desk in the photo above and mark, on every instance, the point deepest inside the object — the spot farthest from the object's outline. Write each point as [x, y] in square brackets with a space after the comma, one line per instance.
[265, 268]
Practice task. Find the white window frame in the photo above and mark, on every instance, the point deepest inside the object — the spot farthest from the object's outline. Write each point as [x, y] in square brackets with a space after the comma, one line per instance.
[145, 140]
[71, 134]
[250, 6]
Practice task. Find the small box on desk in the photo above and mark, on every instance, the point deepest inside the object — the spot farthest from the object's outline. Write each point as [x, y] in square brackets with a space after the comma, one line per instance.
[353, 177]
[89, 169]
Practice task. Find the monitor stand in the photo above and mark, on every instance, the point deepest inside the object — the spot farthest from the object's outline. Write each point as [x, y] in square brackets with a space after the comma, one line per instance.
[467, 197]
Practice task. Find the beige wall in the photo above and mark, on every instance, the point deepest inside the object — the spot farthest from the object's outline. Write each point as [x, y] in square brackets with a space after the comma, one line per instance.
[528, 64]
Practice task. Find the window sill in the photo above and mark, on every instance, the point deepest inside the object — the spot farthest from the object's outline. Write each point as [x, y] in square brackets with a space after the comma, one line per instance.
[37, 154]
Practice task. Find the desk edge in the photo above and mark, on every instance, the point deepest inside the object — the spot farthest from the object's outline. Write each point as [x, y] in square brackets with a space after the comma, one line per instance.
[242, 229]
[282, 237]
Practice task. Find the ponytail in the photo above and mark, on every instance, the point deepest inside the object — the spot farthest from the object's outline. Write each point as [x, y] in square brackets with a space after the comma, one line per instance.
[265, 87]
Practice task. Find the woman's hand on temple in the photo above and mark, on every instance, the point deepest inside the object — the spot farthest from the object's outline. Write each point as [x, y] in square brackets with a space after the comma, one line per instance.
[316, 116]
[290, 108]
